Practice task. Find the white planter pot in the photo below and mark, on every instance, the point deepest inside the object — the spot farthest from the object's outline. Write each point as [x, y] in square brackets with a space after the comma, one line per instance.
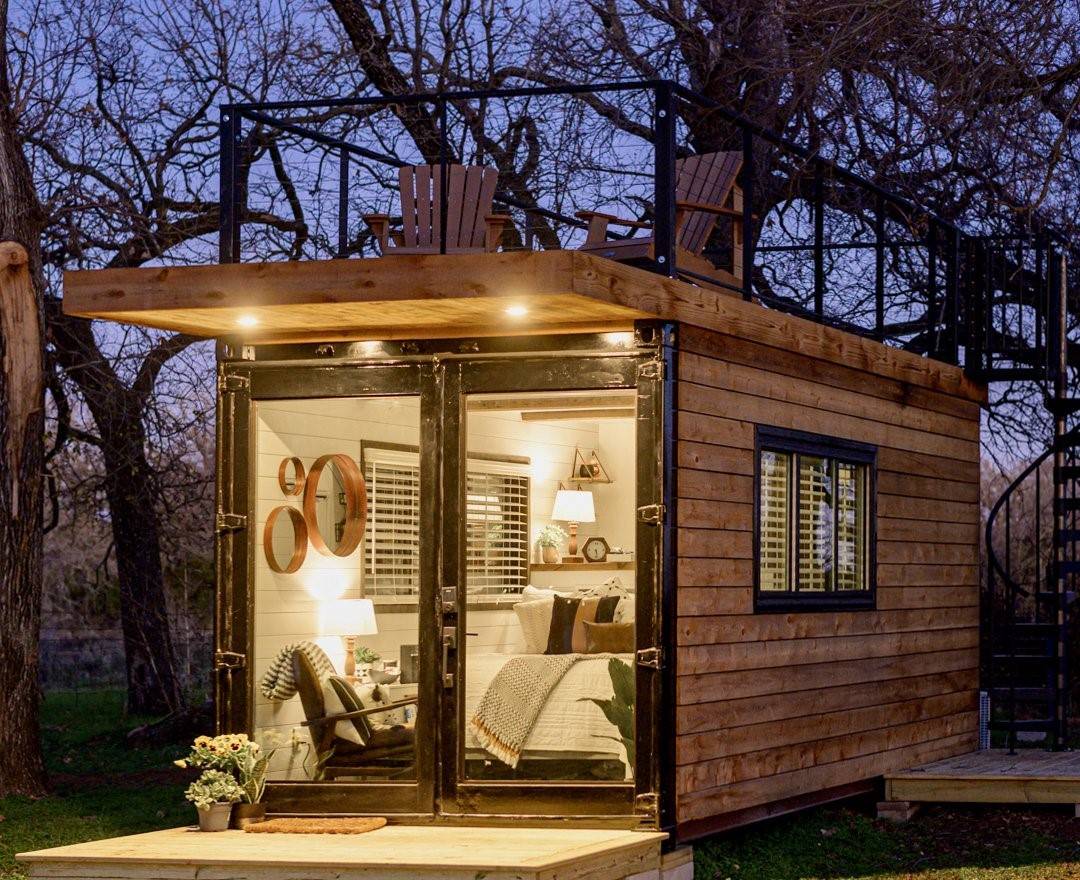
[215, 818]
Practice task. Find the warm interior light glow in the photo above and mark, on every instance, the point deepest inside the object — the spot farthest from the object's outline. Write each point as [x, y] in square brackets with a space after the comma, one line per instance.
[574, 505]
[328, 584]
[516, 311]
[347, 617]
[247, 320]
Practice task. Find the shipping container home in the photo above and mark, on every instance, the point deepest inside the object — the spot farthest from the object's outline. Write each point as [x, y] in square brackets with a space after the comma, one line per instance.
[765, 593]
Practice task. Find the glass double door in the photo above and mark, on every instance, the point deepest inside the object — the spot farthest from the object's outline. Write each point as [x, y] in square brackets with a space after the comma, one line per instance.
[444, 584]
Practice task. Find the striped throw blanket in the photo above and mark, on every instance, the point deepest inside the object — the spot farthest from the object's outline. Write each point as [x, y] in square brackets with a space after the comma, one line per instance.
[278, 684]
[509, 708]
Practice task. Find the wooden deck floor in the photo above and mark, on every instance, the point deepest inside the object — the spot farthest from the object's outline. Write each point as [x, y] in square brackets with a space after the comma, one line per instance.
[1031, 776]
[396, 852]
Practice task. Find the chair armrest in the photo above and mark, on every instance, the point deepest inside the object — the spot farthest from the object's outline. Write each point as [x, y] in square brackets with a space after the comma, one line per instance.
[598, 225]
[611, 218]
[494, 223]
[380, 227]
[711, 209]
[360, 713]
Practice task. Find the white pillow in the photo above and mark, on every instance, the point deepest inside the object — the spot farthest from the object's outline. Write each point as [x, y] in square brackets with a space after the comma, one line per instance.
[372, 695]
[332, 704]
[530, 593]
[624, 611]
[535, 619]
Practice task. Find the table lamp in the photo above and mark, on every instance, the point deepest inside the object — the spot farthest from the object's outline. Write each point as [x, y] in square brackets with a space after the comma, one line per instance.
[573, 506]
[348, 618]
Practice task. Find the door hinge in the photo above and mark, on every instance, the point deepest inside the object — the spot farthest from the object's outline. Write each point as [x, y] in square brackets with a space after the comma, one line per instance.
[651, 513]
[652, 370]
[650, 657]
[233, 382]
[229, 660]
[647, 804]
[231, 522]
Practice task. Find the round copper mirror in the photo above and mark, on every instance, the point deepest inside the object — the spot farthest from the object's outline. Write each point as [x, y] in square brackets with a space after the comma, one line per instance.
[285, 538]
[335, 505]
[290, 477]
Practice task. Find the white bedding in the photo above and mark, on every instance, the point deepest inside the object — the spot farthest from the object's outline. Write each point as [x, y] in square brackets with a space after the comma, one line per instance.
[567, 725]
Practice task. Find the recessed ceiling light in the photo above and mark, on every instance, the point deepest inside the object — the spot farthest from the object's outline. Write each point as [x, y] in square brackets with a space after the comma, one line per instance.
[516, 311]
[247, 320]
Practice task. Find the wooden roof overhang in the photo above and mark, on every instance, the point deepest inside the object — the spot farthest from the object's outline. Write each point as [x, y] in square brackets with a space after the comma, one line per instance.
[459, 295]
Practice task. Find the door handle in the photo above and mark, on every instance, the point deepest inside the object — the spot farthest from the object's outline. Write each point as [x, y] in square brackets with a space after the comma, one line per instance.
[449, 643]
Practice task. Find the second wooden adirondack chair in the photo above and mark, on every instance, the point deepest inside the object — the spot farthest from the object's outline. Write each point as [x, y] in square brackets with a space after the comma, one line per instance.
[705, 191]
[470, 225]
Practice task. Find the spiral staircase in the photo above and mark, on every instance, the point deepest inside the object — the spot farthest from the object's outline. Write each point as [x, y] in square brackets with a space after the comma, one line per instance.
[1032, 535]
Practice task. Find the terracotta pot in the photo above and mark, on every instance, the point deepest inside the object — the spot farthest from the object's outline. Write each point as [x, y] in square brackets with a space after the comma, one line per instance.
[550, 555]
[247, 814]
[215, 817]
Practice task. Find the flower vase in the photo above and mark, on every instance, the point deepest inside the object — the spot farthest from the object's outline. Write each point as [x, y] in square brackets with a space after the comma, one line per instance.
[215, 817]
[549, 554]
[247, 814]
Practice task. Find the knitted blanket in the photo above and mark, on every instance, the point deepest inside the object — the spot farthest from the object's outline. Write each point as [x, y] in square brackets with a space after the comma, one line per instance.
[278, 683]
[509, 708]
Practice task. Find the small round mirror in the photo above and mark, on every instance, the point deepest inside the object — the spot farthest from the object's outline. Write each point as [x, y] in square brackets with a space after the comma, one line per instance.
[290, 477]
[285, 539]
[335, 505]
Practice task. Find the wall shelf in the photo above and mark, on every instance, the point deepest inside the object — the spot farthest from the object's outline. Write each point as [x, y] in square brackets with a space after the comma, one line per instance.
[583, 566]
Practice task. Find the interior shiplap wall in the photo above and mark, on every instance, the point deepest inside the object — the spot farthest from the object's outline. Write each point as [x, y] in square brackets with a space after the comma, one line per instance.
[286, 605]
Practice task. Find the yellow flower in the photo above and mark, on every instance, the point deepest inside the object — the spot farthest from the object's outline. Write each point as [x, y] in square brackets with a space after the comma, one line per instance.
[180, 763]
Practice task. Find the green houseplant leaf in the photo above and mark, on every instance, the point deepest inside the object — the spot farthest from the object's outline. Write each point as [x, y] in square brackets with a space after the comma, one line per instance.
[619, 708]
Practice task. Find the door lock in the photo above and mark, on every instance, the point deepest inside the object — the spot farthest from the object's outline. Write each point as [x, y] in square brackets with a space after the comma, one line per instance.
[449, 600]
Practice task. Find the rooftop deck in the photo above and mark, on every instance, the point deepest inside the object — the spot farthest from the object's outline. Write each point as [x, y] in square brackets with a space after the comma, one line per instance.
[396, 852]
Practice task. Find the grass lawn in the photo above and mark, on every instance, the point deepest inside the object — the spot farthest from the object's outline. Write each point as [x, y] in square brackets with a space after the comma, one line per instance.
[101, 788]
[938, 844]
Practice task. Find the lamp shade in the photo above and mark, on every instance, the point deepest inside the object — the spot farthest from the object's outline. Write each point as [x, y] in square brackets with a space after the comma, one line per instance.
[347, 617]
[574, 505]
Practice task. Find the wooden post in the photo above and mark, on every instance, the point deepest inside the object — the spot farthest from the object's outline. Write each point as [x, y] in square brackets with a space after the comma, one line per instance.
[22, 428]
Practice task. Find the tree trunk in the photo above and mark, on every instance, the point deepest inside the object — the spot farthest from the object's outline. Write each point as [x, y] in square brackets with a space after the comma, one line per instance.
[153, 685]
[22, 453]
[22, 428]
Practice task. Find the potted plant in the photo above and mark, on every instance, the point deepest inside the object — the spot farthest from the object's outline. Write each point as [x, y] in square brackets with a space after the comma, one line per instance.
[550, 539]
[213, 795]
[365, 659]
[252, 764]
[244, 761]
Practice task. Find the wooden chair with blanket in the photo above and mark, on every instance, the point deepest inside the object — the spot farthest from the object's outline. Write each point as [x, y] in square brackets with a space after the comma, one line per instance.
[470, 225]
[378, 751]
[705, 191]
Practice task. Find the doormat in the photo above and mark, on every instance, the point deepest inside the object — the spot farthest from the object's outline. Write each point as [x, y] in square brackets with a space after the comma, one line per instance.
[315, 826]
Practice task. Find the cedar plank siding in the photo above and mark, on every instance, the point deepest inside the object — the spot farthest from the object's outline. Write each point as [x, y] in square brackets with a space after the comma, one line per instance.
[771, 707]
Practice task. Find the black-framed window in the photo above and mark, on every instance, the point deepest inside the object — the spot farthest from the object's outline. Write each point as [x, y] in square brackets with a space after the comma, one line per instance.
[813, 522]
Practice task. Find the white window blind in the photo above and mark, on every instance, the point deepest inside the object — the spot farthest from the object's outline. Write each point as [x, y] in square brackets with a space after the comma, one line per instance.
[775, 505]
[496, 525]
[497, 528]
[813, 530]
[392, 539]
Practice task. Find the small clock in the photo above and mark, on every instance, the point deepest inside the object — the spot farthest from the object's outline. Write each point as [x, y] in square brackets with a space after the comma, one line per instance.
[595, 550]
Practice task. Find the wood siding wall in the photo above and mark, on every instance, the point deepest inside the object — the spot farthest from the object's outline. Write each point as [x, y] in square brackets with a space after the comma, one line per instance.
[776, 706]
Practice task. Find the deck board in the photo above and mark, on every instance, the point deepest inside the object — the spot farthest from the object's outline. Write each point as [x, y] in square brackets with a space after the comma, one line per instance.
[1031, 776]
[391, 853]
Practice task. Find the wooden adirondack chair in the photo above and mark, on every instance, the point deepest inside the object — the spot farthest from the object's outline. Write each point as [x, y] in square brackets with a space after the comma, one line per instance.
[470, 225]
[705, 191]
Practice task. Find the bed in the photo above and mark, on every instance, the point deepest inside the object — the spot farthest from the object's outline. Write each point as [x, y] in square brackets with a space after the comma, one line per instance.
[569, 730]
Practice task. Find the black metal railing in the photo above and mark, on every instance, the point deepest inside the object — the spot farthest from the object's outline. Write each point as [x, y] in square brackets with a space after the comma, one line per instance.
[819, 240]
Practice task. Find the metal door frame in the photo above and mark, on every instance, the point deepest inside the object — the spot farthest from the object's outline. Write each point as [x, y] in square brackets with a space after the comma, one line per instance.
[441, 372]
